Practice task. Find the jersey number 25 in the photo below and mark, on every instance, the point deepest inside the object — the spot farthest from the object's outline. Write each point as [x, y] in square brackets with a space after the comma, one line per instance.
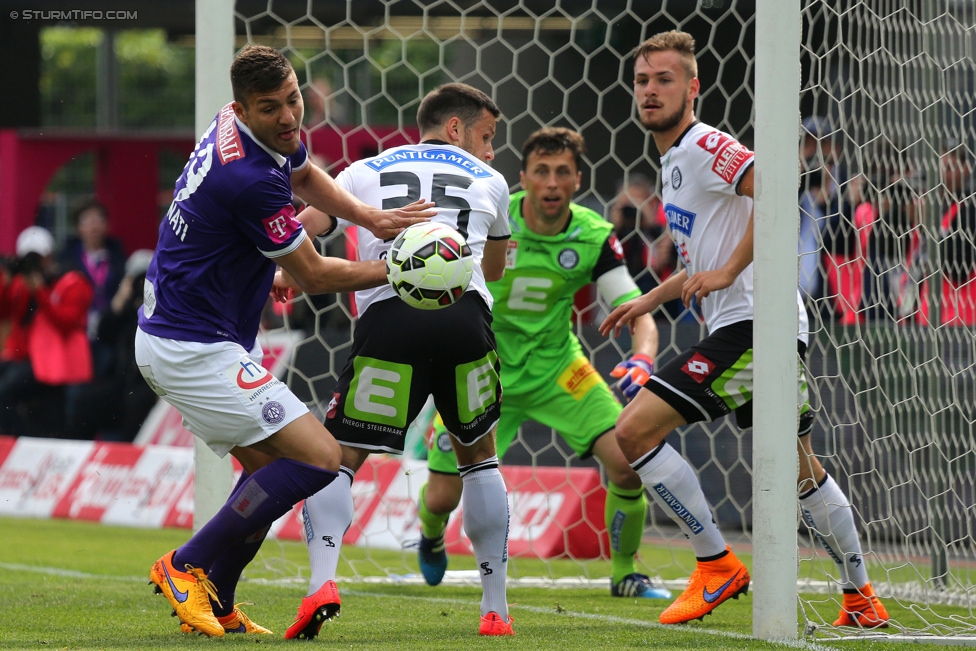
[438, 193]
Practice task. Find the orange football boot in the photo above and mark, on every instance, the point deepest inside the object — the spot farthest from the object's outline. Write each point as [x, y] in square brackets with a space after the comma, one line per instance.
[711, 584]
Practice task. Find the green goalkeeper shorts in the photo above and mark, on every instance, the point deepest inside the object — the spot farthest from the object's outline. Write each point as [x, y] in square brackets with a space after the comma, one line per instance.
[578, 405]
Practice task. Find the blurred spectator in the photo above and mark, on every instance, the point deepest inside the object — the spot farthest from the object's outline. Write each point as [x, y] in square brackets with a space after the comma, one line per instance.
[101, 258]
[644, 247]
[47, 344]
[320, 105]
[893, 247]
[113, 407]
[845, 240]
[846, 234]
[648, 248]
[957, 240]
[825, 222]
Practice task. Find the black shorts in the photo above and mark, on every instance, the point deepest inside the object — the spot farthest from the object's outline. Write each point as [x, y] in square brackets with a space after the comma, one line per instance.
[714, 378]
[400, 355]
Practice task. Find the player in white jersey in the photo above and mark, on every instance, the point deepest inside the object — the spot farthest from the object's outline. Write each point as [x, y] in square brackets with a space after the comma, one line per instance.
[707, 188]
[400, 354]
[468, 194]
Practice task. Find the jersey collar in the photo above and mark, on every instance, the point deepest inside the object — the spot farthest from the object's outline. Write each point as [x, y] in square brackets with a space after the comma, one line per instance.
[681, 137]
[666, 156]
[278, 158]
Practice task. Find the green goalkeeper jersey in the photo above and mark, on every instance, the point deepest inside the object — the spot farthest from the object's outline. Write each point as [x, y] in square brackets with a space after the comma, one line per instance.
[533, 310]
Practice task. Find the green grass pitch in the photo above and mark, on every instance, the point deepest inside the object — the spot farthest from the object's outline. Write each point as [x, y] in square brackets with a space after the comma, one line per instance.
[79, 586]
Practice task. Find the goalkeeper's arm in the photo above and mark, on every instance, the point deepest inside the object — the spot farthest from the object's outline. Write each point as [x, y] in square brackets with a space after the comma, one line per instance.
[634, 371]
[617, 286]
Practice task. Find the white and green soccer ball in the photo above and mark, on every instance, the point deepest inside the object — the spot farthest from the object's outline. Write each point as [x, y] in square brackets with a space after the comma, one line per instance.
[429, 265]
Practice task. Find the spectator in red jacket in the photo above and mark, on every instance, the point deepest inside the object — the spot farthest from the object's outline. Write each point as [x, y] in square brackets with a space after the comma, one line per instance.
[47, 343]
[957, 239]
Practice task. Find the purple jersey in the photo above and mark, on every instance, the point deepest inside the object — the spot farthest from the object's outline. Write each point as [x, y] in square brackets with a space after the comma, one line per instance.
[231, 216]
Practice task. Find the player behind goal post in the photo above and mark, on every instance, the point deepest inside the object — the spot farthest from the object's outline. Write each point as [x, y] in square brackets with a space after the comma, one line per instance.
[707, 188]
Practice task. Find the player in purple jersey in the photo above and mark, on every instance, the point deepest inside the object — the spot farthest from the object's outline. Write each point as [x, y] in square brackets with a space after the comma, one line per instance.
[708, 187]
[230, 223]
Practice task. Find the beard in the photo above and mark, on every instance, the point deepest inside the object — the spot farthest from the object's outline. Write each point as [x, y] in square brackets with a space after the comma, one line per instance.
[666, 122]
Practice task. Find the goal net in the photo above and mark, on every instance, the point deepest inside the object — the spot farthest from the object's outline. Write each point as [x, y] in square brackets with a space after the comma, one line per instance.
[885, 139]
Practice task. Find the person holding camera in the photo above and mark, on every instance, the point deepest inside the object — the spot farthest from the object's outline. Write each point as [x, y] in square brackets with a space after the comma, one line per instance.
[47, 343]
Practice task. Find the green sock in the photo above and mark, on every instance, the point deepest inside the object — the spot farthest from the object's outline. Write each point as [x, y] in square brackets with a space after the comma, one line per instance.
[625, 514]
[431, 524]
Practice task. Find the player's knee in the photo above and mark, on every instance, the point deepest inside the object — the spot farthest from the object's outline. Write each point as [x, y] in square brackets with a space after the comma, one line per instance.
[327, 455]
[631, 434]
[443, 493]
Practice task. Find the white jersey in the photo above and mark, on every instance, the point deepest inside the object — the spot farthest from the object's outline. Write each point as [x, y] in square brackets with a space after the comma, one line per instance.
[468, 195]
[707, 217]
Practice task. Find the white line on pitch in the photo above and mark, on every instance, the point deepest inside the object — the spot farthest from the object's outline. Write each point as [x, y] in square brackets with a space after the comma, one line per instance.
[55, 571]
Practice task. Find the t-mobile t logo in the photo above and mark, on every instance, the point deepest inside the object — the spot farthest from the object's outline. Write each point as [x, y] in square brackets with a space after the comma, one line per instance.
[281, 225]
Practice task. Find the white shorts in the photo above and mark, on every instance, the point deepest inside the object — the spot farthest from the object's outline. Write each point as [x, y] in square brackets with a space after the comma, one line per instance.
[225, 396]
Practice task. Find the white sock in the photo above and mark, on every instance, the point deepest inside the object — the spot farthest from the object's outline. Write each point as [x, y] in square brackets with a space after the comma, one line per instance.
[672, 483]
[484, 505]
[327, 515]
[828, 513]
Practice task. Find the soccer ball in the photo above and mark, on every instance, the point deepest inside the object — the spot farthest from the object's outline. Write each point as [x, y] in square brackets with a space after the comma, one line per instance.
[429, 265]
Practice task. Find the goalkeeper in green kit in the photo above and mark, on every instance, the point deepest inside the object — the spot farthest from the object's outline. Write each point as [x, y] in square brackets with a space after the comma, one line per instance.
[556, 248]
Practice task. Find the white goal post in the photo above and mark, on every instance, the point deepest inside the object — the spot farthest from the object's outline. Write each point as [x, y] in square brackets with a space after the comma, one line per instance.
[860, 112]
[214, 52]
[776, 238]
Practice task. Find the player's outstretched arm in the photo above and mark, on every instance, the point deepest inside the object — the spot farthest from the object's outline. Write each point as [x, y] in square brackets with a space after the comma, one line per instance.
[625, 314]
[320, 190]
[315, 274]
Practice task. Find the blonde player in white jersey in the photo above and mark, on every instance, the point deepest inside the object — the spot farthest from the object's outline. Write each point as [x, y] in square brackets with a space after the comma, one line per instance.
[707, 188]
[400, 354]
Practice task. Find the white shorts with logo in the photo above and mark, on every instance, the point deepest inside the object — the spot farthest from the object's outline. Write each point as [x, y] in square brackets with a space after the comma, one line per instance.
[226, 397]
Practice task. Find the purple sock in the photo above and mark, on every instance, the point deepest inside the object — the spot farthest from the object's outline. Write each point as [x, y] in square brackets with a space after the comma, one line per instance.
[258, 501]
[227, 569]
[225, 573]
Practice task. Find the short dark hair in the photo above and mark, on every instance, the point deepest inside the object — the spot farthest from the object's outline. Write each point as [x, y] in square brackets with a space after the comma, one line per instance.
[553, 140]
[681, 42]
[465, 102]
[258, 69]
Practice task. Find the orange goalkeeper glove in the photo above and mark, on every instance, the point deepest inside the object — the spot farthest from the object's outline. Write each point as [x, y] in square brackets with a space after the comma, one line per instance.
[633, 373]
